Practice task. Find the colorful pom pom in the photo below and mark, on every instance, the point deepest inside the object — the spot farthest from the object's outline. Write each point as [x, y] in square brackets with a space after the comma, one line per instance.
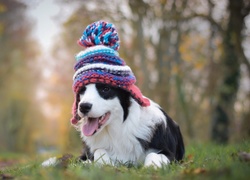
[100, 33]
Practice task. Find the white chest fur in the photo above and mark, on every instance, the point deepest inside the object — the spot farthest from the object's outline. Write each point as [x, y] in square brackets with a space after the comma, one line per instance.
[118, 141]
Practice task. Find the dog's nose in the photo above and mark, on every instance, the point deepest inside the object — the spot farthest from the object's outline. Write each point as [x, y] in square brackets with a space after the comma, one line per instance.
[85, 107]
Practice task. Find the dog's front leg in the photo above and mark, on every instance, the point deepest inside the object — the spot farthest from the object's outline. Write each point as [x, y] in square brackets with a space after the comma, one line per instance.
[101, 157]
[156, 160]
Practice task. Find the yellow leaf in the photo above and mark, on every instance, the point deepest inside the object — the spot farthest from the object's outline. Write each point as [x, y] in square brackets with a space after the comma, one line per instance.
[194, 171]
[199, 171]
[2, 8]
[198, 65]
[190, 156]
[175, 69]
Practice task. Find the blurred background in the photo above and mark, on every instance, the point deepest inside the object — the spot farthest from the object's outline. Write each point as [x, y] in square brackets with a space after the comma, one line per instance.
[190, 56]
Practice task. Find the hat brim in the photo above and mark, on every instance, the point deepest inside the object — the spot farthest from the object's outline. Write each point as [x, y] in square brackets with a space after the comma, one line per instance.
[137, 95]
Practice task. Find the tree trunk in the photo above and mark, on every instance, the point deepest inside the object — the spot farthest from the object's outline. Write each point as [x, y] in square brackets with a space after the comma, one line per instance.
[163, 66]
[223, 111]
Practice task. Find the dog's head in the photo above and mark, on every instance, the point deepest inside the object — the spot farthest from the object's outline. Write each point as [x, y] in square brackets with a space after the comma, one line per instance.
[100, 63]
[99, 105]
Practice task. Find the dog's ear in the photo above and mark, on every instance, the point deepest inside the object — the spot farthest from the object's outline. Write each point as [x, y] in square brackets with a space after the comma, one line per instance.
[75, 117]
[77, 104]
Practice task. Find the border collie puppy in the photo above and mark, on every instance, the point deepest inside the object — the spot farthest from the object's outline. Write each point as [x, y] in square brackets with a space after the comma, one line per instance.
[116, 128]
[117, 123]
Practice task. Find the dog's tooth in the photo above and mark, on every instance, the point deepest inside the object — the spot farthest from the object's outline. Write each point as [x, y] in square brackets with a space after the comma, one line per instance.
[100, 119]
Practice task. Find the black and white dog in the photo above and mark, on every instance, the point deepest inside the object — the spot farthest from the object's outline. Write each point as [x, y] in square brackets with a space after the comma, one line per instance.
[115, 128]
[117, 124]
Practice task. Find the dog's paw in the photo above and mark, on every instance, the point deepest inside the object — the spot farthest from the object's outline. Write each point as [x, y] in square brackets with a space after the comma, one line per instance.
[49, 162]
[101, 157]
[86, 162]
[62, 161]
[156, 160]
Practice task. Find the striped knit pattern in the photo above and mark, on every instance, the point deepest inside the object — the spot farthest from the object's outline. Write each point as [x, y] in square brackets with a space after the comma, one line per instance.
[101, 64]
[98, 54]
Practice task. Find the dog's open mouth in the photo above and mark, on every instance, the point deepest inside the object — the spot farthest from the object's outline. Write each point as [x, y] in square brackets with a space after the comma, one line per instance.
[93, 124]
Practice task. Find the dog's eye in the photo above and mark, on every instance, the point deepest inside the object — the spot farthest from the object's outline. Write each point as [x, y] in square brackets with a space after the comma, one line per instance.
[105, 89]
[82, 90]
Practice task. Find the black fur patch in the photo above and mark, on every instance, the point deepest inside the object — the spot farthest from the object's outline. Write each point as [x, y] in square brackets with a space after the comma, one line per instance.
[86, 154]
[167, 141]
[109, 92]
[82, 90]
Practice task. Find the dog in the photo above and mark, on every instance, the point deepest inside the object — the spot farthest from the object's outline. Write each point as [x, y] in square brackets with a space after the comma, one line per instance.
[116, 129]
[117, 123]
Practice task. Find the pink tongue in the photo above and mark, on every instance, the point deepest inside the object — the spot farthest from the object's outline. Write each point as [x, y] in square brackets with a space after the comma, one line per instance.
[90, 127]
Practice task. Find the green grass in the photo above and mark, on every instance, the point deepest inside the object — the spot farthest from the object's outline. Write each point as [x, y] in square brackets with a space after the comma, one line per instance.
[202, 161]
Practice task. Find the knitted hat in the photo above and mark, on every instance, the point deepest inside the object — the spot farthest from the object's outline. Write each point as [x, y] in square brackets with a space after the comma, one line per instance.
[100, 63]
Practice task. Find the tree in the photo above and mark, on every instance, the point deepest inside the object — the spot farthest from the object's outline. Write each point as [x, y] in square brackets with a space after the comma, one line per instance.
[17, 79]
[233, 55]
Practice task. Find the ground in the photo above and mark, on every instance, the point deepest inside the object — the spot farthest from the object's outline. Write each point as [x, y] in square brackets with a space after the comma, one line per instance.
[202, 161]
